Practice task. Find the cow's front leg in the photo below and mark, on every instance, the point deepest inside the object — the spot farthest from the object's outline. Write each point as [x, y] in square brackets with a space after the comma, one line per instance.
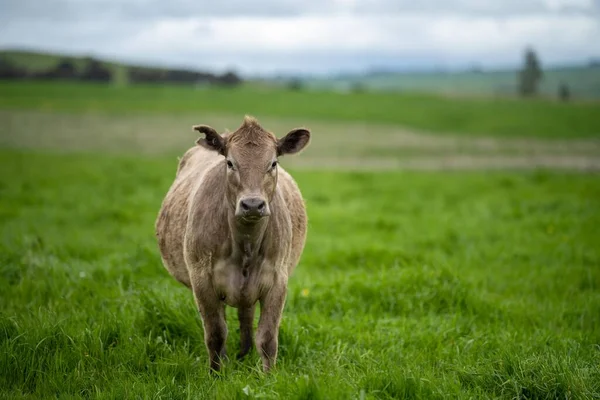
[212, 312]
[271, 307]
[246, 318]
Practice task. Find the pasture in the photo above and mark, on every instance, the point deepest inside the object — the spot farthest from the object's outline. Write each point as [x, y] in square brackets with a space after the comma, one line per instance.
[479, 117]
[461, 262]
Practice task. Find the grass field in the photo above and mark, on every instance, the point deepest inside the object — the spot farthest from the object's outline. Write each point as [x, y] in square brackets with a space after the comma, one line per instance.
[479, 117]
[414, 284]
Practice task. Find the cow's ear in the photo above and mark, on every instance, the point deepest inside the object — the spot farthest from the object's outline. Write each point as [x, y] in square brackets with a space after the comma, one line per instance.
[211, 140]
[293, 142]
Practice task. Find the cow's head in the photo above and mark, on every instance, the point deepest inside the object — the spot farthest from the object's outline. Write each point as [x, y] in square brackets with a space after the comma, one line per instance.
[250, 159]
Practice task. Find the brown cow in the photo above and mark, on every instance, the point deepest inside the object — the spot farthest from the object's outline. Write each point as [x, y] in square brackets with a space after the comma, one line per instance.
[232, 228]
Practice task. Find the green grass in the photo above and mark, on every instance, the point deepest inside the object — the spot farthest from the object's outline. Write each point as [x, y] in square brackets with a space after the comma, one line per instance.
[499, 117]
[412, 285]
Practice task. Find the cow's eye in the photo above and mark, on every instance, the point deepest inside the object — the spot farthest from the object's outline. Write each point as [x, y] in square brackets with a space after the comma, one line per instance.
[274, 164]
[229, 164]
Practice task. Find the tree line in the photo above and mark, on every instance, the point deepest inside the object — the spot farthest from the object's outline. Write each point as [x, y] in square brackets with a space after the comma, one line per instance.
[530, 75]
[150, 75]
[95, 71]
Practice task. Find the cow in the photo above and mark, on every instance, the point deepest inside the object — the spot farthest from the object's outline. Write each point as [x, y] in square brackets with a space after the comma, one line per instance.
[232, 228]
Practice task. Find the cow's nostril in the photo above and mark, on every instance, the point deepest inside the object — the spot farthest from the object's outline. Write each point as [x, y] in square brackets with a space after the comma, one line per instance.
[253, 205]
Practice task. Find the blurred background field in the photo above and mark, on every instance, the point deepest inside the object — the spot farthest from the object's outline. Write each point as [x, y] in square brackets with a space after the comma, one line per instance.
[357, 130]
[583, 78]
[454, 207]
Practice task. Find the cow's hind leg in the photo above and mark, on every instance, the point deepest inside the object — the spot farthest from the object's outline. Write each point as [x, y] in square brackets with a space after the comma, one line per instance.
[246, 318]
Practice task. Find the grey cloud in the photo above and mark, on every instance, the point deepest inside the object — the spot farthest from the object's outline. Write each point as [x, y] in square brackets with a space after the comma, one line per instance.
[470, 7]
[73, 10]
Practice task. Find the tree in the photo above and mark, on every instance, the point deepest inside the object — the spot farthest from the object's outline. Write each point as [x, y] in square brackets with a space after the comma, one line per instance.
[530, 74]
[229, 78]
[94, 71]
[564, 93]
[295, 84]
[358, 87]
[8, 70]
[64, 70]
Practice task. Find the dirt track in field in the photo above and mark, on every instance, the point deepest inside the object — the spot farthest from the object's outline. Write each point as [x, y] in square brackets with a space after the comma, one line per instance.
[334, 145]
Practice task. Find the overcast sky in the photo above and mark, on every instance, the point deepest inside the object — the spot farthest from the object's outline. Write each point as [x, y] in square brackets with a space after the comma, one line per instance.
[267, 36]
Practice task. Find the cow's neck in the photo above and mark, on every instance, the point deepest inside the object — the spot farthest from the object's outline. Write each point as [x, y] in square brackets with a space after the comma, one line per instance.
[247, 241]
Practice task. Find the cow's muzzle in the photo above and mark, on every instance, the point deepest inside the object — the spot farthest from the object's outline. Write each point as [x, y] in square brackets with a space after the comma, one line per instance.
[252, 208]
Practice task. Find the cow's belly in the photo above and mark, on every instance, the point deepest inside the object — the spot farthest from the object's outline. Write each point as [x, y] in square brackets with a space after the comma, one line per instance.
[237, 290]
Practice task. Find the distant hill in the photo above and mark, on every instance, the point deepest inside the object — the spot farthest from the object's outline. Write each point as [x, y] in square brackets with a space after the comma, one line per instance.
[41, 65]
[40, 61]
[583, 82]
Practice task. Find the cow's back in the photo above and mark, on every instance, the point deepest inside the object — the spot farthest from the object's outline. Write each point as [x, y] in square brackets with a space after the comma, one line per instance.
[174, 213]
